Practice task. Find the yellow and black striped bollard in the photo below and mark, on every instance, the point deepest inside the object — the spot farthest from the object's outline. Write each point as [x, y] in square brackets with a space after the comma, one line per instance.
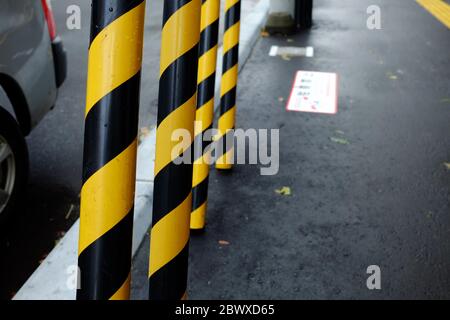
[209, 28]
[225, 139]
[109, 164]
[172, 198]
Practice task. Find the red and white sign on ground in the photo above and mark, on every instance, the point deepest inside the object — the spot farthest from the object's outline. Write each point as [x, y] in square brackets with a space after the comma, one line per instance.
[314, 92]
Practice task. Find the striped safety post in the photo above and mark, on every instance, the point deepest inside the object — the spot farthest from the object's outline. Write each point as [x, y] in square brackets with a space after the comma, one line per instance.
[225, 139]
[172, 198]
[209, 34]
[110, 144]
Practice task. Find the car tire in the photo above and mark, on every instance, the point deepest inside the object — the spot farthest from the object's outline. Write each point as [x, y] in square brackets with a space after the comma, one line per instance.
[14, 166]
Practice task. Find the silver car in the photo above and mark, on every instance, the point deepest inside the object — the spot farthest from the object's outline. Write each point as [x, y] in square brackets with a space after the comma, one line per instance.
[32, 67]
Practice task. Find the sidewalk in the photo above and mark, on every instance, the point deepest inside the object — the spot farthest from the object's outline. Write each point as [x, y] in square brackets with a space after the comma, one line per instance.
[380, 198]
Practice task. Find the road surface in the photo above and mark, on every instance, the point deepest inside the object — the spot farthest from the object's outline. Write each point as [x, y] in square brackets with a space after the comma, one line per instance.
[369, 185]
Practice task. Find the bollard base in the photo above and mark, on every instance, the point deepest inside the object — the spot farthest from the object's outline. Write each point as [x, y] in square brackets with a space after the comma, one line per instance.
[224, 168]
[198, 217]
[280, 22]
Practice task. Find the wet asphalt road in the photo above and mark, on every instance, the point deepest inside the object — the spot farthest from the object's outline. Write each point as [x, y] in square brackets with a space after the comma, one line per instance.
[51, 204]
[381, 199]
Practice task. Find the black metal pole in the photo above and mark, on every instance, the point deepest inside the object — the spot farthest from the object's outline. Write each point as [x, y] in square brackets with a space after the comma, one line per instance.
[303, 14]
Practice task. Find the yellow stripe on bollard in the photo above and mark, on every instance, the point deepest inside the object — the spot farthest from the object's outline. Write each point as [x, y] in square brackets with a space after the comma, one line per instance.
[109, 164]
[205, 108]
[172, 199]
[224, 140]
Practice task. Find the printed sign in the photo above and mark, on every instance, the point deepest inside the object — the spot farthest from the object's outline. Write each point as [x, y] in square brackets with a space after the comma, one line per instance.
[291, 51]
[314, 92]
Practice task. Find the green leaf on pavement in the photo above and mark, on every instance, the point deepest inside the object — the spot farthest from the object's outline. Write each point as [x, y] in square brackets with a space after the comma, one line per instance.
[285, 191]
[391, 75]
[339, 140]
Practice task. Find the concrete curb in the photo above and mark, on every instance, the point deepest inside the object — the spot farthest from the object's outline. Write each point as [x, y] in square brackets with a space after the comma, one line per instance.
[53, 278]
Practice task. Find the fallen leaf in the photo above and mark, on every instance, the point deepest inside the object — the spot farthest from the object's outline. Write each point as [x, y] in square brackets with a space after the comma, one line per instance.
[264, 34]
[69, 212]
[391, 75]
[60, 234]
[339, 140]
[223, 243]
[285, 191]
[143, 132]
[42, 258]
[285, 57]
[447, 165]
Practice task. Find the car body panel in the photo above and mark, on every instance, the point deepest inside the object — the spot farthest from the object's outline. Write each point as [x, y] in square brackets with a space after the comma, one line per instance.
[26, 56]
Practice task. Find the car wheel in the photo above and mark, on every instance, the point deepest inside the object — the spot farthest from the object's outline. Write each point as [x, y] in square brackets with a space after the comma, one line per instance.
[13, 164]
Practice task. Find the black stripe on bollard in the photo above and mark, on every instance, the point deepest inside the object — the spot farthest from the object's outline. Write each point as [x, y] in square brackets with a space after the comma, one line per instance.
[172, 199]
[229, 81]
[204, 116]
[110, 144]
